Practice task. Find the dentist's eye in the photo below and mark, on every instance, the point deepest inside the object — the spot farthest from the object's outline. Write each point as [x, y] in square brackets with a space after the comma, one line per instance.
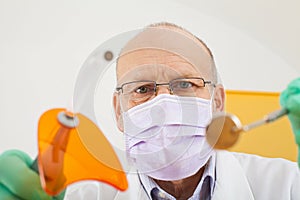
[184, 84]
[144, 89]
[181, 85]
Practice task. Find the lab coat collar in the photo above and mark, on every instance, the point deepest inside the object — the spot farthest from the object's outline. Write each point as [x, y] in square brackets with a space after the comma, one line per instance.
[231, 182]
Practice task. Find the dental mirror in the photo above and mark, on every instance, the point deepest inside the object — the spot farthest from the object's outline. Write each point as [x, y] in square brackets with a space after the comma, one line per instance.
[225, 128]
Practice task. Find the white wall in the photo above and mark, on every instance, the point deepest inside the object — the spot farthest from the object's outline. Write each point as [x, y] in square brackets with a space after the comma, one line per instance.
[44, 43]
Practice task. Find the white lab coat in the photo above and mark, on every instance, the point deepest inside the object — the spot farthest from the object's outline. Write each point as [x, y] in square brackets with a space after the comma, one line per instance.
[239, 177]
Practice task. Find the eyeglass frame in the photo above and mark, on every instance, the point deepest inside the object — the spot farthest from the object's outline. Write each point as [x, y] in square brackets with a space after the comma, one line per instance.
[166, 83]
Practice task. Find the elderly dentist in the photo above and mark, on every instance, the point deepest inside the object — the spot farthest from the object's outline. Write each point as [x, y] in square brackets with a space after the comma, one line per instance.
[166, 93]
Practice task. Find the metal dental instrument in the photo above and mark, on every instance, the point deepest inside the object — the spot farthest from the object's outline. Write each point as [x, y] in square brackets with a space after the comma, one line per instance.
[224, 129]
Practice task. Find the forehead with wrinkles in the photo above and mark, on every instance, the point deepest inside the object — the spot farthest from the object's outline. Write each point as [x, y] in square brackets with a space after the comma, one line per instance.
[156, 49]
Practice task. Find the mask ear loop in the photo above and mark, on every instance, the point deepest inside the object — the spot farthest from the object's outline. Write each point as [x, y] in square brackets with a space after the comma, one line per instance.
[211, 101]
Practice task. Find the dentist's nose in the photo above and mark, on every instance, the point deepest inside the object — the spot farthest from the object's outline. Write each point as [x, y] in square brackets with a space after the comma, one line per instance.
[163, 89]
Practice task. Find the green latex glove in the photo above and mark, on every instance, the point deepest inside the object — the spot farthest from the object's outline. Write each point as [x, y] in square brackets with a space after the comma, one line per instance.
[290, 99]
[18, 181]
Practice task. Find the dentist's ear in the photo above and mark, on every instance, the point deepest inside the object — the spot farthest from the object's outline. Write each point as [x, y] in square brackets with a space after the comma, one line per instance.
[219, 98]
[117, 108]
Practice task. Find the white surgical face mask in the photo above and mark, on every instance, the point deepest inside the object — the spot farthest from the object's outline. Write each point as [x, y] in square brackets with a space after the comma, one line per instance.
[165, 137]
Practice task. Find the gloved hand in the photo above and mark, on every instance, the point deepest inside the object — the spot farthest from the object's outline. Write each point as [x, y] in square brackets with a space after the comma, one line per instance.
[17, 180]
[290, 99]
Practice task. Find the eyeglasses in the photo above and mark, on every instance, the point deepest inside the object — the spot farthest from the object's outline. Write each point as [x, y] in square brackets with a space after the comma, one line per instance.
[141, 91]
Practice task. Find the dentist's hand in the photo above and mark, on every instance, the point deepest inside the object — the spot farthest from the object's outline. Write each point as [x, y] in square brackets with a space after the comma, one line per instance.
[18, 181]
[290, 99]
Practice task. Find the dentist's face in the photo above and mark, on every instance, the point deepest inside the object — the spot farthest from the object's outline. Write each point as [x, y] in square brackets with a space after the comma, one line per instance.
[161, 66]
